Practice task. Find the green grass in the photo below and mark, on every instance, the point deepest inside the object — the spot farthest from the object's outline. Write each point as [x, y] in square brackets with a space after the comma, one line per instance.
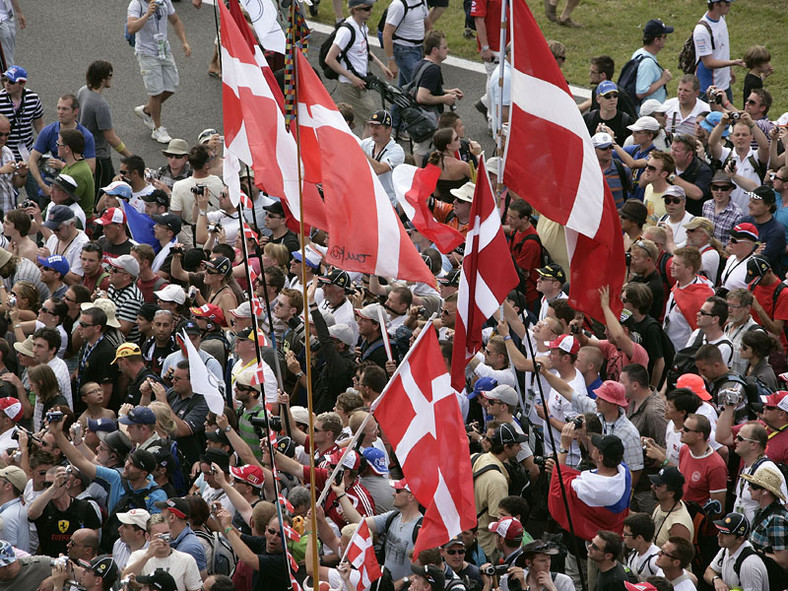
[614, 27]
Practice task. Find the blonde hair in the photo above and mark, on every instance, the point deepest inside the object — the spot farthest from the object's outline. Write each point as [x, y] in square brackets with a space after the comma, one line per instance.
[164, 420]
[278, 252]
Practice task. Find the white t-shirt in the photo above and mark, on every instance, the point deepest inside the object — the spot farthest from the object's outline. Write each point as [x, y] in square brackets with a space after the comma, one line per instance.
[73, 250]
[676, 123]
[560, 408]
[136, 198]
[722, 344]
[409, 25]
[719, 77]
[357, 55]
[734, 275]
[146, 38]
[181, 566]
[679, 231]
[744, 168]
[182, 198]
[392, 154]
[644, 565]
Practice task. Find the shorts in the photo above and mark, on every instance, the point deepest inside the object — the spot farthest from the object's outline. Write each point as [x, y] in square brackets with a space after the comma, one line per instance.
[437, 3]
[362, 101]
[158, 75]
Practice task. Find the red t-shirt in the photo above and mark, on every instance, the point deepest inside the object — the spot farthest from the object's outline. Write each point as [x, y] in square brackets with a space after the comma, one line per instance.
[765, 296]
[703, 476]
[358, 495]
[527, 255]
[617, 359]
[490, 10]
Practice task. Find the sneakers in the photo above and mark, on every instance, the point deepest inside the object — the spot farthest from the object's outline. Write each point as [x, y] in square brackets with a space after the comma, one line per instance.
[480, 107]
[160, 135]
[146, 119]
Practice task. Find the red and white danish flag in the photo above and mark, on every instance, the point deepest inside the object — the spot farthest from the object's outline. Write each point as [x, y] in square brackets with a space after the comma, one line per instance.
[361, 554]
[550, 162]
[419, 413]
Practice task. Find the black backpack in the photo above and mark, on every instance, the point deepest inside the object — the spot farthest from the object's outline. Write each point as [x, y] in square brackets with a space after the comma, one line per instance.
[382, 23]
[688, 61]
[129, 500]
[684, 360]
[627, 79]
[326, 46]
[380, 543]
[519, 481]
[775, 571]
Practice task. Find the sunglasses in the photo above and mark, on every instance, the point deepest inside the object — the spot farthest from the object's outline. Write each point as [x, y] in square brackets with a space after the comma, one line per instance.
[273, 532]
[455, 552]
[754, 486]
[673, 200]
[688, 430]
[740, 438]
[364, 8]
[652, 168]
[721, 187]
[610, 95]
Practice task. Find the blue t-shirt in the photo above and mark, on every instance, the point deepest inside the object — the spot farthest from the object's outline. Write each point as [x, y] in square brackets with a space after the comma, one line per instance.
[773, 235]
[781, 215]
[189, 543]
[634, 150]
[115, 481]
[649, 72]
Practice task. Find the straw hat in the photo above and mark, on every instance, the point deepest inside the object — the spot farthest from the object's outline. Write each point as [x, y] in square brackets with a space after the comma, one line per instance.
[768, 478]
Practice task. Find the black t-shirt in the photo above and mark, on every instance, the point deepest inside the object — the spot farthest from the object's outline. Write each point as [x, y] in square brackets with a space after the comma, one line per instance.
[657, 286]
[699, 174]
[133, 393]
[618, 124]
[114, 250]
[55, 527]
[432, 80]
[272, 574]
[290, 240]
[97, 368]
[612, 580]
[155, 354]
[650, 339]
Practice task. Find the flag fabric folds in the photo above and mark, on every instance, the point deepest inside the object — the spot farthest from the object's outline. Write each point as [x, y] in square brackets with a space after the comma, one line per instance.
[550, 162]
[421, 417]
[487, 277]
[203, 381]
[361, 554]
[140, 226]
[366, 234]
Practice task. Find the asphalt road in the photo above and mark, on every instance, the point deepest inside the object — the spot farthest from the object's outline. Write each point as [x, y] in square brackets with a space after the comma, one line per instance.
[62, 39]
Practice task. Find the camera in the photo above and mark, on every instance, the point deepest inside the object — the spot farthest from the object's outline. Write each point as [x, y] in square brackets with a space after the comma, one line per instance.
[176, 249]
[158, 3]
[150, 174]
[574, 329]
[628, 258]
[735, 116]
[578, 422]
[192, 292]
[215, 227]
[165, 537]
[731, 396]
[11, 301]
[539, 460]
[716, 96]
[59, 562]
[495, 570]
[28, 203]
[54, 416]
[198, 189]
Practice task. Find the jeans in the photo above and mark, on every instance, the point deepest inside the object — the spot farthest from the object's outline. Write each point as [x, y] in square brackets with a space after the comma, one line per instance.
[406, 58]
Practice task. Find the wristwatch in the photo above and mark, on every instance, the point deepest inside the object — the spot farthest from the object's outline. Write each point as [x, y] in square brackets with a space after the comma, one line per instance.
[672, 177]
[561, 450]
[227, 429]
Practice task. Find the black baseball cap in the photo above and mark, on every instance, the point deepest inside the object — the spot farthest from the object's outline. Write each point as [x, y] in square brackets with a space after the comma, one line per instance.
[160, 580]
[609, 446]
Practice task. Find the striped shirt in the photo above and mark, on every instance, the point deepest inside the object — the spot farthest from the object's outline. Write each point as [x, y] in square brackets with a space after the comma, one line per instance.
[128, 301]
[8, 192]
[21, 119]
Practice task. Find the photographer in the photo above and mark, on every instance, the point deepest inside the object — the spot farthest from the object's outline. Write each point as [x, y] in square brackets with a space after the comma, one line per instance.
[222, 225]
[508, 533]
[183, 194]
[536, 575]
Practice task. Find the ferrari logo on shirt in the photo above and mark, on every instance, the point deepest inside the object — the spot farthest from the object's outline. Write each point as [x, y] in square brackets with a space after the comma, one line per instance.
[62, 525]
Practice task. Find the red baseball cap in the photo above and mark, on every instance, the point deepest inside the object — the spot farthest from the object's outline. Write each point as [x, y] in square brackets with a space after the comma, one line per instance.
[694, 382]
[509, 528]
[566, 343]
[778, 399]
[210, 312]
[12, 408]
[113, 215]
[249, 474]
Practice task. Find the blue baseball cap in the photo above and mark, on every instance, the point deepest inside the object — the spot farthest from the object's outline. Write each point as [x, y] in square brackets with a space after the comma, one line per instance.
[376, 460]
[605, 87]
[58, 214]
[102, 425]
[56, 262]
[7, 554]
[139, 415]
[711, 121]
[483, 385]
[15, 74]
[119, 189]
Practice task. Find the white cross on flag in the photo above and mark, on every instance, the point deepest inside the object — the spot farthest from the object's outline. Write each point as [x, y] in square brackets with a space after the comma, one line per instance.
[550, 162]
[419, 414]
[361, 554]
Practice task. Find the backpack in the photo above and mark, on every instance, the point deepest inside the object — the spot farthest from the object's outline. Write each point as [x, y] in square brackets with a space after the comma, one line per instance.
[544, 259]
[688, 61]
[775, 296]
[684, 360]
[382, 23]
[380, 544]
[129, 500]
[626, 179]
[223, 559]
[179, 475]
[326, 46]
[627, 79]
[704, 538]
[753, 391]
[519, 481]
[420, 122]
[775, 571]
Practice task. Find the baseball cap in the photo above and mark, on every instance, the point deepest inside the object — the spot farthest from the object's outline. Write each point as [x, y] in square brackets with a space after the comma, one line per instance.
[171, 293]
[55, 262]
[158, 197]
[15, 74]
[484, 384]
[566, 343]
[376, 460]
[720, 178]
[109, 308]
[504, 393]
[694, 382]
[210, 312]
[144, 460]
[168, 220]
[655, 28]
[609, 446]
[652, 106]
[612, 392]
[381, 117]
[351, 459]
[138, 517]
[646, 123]
[160, 580]
[779, 399]
[244, 310]
[244, 378]
[745, 231]
[701, 222]
[734, 523]
[455, 541]
[400, 484]
[757, 267]
[605, 87]
[67, 183]
[275, 208]
[178, 506]
[7, 554]
[249, 474]
[337, 277]
[176, 147]
[300, 415]
[128, 263]
[189, 327]
[506, 434]
[221, 265]
[639, 586]
[602, 140]
[206, 134]
[12, 408]
[343, 333]
[354, 3]
[711, 121]
[373, 312]
[217, 436]
[127, 350]
[432, 573]
[553, 271]
[15, 476]
[669, 475]
[451, 279]
[102, 425]
[313, 257]
[103, 567]
[217, 456]
[509, 528]
[763, 193]
[675, 191]
[285, 445]
[119, 189]
[117, 441]
[139, 415]
[113, 215]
